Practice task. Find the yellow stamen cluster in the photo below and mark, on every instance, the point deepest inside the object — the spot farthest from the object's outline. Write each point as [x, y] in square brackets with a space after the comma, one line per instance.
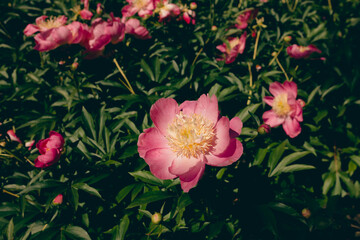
[281, 106]
[139, 4]
[191, 135]
[50, 23]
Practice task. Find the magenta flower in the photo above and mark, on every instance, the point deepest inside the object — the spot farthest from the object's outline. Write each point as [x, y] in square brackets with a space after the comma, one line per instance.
[50, 150]
[188, 15]
[167, 10]
[243, 20]
[13, 136]
[133, 27]
[80, 32]
[58, 199]
[43, 24]
[143, 8]
[29, 144]
[85, 13]
[187, 137]
[230, 51]
[297, 52]
[286, 109]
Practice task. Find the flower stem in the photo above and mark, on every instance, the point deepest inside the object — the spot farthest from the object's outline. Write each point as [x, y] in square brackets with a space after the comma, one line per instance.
[282, 69]
[12, 154]
[197, 55]
[10, 193]
[256, 44]
[296, 68]
[330, 6]
[127, 84]
[251, 84]
[291, 9]
[276, 55]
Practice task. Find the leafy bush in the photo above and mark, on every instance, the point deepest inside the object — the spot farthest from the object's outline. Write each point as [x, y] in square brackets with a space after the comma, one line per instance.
[95, 89]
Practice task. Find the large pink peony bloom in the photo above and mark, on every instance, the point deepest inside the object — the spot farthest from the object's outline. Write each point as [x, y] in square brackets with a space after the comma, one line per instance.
[143, 8]
[133, 27]
[286, 109]
[297, 52]
[167, 10]
[236, 46]
[187, 137]
[50, 150]
[52, 34]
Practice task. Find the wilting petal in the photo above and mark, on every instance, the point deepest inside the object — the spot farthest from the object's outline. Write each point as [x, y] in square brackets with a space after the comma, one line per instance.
[270, 118]
[150, 139]
[229, 156]
[159, 161]
[291, 127]
[208, 107]
[163, 112]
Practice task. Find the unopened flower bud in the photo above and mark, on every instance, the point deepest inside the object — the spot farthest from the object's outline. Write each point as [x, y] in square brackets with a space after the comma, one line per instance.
[264, 129]
[193, 5]
[287, 39]
[253, 34]
[74, 66]
[99, 9]
[273, 54]
[156, 218]
[62, 62]
[258, 67]
[306, 213]
[58, 199]
[214, 28]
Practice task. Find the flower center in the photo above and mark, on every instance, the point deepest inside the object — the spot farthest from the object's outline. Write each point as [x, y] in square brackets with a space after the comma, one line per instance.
[303, 49]
[50, 23]
[280, 105]
[139, 4]
[191, 135]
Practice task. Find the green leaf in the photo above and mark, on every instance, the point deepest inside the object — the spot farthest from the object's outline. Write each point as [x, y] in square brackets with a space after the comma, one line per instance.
[40, 185]
[90, 122]
[355, 159]
[124, 225]
[10, 230]
[85, 187]
[259, 158]
[149, 197]
[286, 161]
[276, 154]
[124, 192]
[297, 167]
[244, 114]
[147, 69]
[76, 233]
[147, 177]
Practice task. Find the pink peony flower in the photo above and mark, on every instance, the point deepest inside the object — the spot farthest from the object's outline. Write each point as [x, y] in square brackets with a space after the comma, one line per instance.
[188, 15]
[243, 19]
[236, 46]
[133, 27]
[58, 199]
[80, 32]
[187, 137]
[43, 24]
[297, 52]
[50, 150]
[85, 13]
[286, 110]
[143, 8]
[13, 136]
[167, 10]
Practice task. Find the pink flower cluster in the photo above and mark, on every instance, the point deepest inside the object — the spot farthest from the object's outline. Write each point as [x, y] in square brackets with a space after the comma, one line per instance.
[50, 150]
[188, 137]
[236, 45]
[286, 109]
[54, 31]
[165, 10]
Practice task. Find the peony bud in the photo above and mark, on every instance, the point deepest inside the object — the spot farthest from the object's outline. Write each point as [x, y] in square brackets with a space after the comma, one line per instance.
[287, 39]
[214, 28]
[258, 67]
[58, 199]
[302, 102]
[193, 5]
[273, 54]
[156, 218]
[264, 129]
[253, 34]
[306, 213]
[99, 9]
[74, 66]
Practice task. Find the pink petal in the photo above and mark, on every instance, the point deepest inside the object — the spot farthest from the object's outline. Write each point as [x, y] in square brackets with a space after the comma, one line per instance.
[182, 165]
[276, 88]
[193, 172]
[291, 88]
[270, 118]
[86, 14]
[235, 127]
[30, 29]
[13, 136]
[186, 186]
[229, 156]
[41, 145]
[150, 139]
[222, 135]
[291, 127]
[188, 107]
[49, 158]
[162, 113]
[159, 161]
[55, 140]
[268, 100]
[208, 107]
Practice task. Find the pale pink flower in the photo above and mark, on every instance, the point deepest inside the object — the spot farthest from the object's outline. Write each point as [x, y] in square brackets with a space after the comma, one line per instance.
[43, 24]
[167, 10]
[29, 144]
[286, 109]
[187, 137]
[13, 136]
[297, 52]
[231, 50]
[188, 15]
[99, 37]
[243, 20]
[58, 199]
[133, 27]
[50, 150]
[80, 32]
[143, 8]
[116, 29]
